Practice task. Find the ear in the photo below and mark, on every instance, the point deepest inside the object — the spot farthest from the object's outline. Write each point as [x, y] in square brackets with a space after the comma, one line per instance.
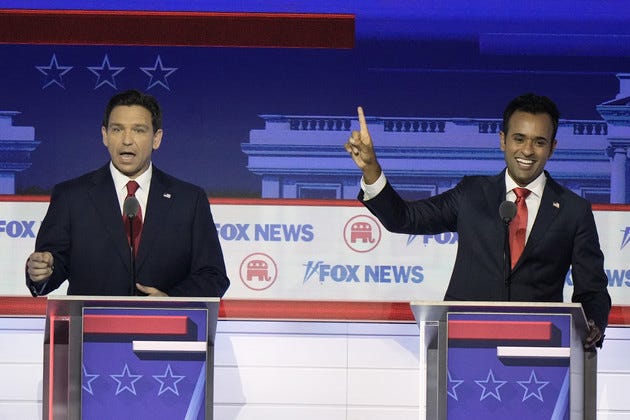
[502, 140]
[104, 134]
[157, 139]
[554, 143]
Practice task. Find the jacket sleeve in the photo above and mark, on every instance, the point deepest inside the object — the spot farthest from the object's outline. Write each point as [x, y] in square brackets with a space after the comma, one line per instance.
[432, 215]
[54, 236]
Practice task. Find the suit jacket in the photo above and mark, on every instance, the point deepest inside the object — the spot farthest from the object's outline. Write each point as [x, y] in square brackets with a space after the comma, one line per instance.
[179, 251]
[563, 235]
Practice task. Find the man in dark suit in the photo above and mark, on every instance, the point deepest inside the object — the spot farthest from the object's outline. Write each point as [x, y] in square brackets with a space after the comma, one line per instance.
[559, 226]
[83, 237]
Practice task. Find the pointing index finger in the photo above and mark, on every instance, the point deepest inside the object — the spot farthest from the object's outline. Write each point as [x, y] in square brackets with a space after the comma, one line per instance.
[362, 124]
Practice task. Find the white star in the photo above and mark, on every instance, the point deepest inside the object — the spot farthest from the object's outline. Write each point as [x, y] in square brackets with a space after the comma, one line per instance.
[169, 380]
[128, 379]
[158, 74]
[493, 385]
[105, 73]
[533, 387]
[53, 73]
[452, 386]
[87, 380]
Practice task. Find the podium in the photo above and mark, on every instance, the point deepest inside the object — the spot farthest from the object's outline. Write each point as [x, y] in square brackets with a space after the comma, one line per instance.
[505, 360]
[129, 357]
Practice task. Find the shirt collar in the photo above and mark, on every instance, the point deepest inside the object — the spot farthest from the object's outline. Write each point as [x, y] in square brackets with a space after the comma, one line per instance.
[536, 186]
[120, 179]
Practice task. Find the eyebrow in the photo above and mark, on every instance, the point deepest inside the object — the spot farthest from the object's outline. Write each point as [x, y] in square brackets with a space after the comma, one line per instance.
[535, 138]
[116, 124]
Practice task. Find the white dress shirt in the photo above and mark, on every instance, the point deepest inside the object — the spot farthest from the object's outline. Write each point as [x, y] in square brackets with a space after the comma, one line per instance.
[142, 194]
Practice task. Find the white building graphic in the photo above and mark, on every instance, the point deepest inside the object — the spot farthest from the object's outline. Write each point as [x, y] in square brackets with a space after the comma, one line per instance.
[303, 156]
[16, 145]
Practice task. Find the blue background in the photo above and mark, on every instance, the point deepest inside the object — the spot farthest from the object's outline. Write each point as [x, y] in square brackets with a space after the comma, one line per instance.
[413, 59]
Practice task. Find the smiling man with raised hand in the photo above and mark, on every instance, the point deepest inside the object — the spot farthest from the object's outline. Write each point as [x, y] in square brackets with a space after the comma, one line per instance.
[556, 227]
[86, 237]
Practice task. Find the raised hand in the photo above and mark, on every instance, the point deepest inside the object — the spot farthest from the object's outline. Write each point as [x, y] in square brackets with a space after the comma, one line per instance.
[360, 147]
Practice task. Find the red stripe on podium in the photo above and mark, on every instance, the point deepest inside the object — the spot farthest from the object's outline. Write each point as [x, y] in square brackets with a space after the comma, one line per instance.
[498, 330]
[129, 324]
[199, 29]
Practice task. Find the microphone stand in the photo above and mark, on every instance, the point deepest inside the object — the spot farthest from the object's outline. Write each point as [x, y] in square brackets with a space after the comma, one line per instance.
[507, 266]
[132, 291]
[507, 211]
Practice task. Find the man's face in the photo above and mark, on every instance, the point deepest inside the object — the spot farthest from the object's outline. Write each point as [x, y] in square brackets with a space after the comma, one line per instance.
[527, 145]
[130, 139]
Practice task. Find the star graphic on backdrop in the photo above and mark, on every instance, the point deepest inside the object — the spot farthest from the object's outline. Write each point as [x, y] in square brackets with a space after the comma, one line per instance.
[87, 380]
[533, 387]
[105, 73]
[54, 73]
[452, 386]
[168, 381]
[490, 387]
[158, 74]
[126, 381]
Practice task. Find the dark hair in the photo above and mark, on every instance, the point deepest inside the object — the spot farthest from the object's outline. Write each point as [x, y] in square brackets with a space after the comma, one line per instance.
[532, 104]
[134, 97]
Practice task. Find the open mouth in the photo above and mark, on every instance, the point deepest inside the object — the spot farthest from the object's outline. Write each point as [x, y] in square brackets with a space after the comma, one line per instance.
[126, 156]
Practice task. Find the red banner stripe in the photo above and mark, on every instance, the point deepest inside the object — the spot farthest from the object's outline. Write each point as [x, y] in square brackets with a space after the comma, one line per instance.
[199, 29]
[315, 310]
[283, 309]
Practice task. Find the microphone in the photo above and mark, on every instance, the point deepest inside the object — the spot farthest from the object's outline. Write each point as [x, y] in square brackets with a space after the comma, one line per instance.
[131, 207]
[507, 211]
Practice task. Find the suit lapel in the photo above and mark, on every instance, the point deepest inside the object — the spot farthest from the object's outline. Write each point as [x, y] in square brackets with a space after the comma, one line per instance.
[550, 205]
[102, 194]
[158, 204]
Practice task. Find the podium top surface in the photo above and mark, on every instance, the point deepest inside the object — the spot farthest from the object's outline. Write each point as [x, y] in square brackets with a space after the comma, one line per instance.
[131, 298]
[427, 311]
[71, 308]
[73, 304]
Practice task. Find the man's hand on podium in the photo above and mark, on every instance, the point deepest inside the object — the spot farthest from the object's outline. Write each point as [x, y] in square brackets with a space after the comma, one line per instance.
[150, 291]
[594, 335]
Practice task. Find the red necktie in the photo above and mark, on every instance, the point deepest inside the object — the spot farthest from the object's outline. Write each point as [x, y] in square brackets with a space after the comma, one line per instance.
[132, 187]
[518, 226]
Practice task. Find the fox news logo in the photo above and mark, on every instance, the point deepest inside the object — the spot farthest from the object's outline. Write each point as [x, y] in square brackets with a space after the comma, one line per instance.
[367, 274]
[362, 233]
[17, 228]
[258, 271]
[444, 238]
[269, 232]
